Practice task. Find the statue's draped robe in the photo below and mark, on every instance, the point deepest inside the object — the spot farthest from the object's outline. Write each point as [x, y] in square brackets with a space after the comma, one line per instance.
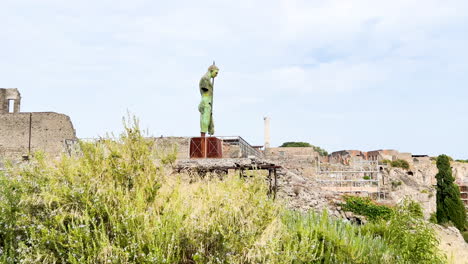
[206, 105]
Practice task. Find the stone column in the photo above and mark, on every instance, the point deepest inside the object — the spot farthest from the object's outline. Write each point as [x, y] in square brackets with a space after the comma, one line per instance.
[3, 101]
[267, 132]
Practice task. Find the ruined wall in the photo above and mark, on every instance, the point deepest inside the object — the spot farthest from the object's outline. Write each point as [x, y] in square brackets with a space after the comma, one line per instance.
[299, 160]
[346, 156]
[7, 95]
[181, 145]
[404, 156]
[40, 131]
[231, 151]
[382, 154]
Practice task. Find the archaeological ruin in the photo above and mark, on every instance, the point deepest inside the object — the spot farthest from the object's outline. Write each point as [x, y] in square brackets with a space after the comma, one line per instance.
[310, 178]
[24, 133]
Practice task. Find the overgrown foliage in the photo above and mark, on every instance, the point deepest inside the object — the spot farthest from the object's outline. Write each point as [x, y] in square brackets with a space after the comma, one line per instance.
[396, 184]
[399, 163]
[465, 236]
[113, 204]
[409, 233]
[386, 161]
[449, 204]
[366, 207]
[462, 161]
[319, 150]
[296, 145]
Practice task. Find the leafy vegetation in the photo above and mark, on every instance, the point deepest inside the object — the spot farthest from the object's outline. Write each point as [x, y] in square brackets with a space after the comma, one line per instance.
[411, 234]
[449, 204]
[386, 161]
[462, 161]
[114, 204]
[319, 150]
[296, 145]
[403, 224]
[366, 207]
[395, 184]
[399, 163]
[433, 218]
[465, 236]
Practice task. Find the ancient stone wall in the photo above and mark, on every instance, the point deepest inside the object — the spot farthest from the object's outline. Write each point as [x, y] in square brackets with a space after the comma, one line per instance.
[299, 160]
[24, 132]
[181, 145]
[404, 156]
[7, 97]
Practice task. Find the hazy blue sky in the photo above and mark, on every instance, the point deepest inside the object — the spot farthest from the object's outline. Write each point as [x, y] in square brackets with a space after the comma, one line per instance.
[341, 74]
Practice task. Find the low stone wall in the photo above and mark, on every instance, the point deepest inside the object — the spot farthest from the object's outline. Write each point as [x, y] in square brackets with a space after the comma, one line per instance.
[165, 145]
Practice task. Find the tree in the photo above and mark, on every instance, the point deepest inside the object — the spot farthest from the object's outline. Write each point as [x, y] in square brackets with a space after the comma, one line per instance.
[295, 144]
[449, 205]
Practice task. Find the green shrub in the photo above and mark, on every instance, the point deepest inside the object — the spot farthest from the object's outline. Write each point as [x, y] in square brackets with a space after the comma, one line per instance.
[366, 177]
[386, 161]
[465, 236]
[169, 157]
[395, 184]
[449, 204]
[400, 164]
[366, 207]
[433, 218]
[412, 237]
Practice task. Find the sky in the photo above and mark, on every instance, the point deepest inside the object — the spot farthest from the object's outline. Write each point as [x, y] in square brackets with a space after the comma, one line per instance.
[338, 74]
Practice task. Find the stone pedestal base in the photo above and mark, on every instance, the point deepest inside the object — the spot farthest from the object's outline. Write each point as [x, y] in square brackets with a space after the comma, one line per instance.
[206, 147]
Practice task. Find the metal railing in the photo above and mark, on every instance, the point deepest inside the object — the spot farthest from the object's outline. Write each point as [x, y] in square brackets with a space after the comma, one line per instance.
[246, 150]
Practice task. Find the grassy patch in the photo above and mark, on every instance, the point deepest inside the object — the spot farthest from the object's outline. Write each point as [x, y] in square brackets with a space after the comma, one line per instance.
[403, 164]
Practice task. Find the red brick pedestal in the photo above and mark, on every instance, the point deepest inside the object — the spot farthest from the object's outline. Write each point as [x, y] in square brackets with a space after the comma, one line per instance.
[206, 147]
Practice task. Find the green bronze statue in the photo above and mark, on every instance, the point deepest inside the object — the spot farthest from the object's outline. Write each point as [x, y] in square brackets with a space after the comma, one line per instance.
[206, 105]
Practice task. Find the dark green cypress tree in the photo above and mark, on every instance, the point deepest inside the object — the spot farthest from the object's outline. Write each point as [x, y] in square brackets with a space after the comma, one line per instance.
[449, 204]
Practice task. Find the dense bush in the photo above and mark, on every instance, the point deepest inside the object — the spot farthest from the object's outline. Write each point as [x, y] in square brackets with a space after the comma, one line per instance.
[386, 161]
[295, 145]
[409, 233]
[433, 218]
[395, 184]
[449, 204]
[366, 207]
[465, 236]
[113, 204]
[400, 164]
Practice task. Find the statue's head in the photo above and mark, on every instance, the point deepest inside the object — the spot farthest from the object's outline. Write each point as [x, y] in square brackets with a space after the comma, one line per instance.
[213, 70]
